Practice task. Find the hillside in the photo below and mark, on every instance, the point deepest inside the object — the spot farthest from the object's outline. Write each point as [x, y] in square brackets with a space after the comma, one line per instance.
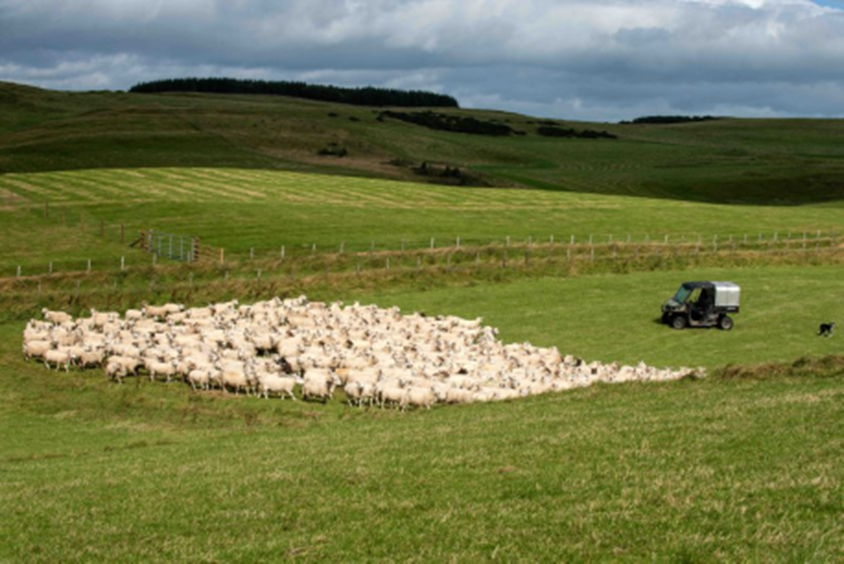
[557, 239]
[769, 162]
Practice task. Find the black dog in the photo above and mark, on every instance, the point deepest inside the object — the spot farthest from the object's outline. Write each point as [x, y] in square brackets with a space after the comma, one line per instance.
[826, 329]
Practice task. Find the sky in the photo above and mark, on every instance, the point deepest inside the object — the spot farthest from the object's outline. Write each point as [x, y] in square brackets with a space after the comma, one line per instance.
[597, 60]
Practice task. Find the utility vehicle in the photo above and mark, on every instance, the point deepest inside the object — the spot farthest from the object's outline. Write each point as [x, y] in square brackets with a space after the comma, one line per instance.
[702, 304]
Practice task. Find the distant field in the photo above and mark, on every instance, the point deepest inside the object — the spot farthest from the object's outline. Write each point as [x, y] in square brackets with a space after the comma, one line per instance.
[241, 210]
[762, 162]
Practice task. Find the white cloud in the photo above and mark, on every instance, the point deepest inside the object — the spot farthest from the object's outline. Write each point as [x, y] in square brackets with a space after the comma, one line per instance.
[589, 58]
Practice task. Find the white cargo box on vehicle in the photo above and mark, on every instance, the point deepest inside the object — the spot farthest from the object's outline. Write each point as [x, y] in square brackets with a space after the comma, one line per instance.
[727, 294]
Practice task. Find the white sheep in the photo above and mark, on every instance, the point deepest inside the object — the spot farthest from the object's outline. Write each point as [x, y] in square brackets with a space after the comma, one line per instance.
[58, 357]
[36, 349]
[56, 317]
[274, 384]
[318, 384]
[168, 369]
[420, 396]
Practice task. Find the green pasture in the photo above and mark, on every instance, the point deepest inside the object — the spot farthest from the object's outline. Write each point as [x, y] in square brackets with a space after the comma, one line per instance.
[758, 162]
[720, 469]
[741, 466]
[616, 317]
[59, 216]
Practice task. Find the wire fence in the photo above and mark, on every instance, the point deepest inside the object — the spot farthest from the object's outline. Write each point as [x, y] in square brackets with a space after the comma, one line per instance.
[154, 248]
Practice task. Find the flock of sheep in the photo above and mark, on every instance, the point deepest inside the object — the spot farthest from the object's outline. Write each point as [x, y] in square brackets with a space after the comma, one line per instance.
[278, 347]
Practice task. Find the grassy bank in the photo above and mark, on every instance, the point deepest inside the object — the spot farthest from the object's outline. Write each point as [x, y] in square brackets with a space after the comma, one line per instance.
[70, 217]
[727, 468]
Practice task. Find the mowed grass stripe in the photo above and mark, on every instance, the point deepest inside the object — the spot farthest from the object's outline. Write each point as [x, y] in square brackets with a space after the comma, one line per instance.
[101, 190]
[68, 187]
[29, 187]
[147, 189]
[189, 184]
[172, 185]
[210, 177]
[134, 188]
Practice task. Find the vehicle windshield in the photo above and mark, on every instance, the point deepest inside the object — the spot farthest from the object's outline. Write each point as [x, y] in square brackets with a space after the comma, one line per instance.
[682, 294]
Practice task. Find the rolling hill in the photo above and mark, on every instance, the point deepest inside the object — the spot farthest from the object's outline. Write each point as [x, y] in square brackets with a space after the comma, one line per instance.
[740, 161]
[743, 465]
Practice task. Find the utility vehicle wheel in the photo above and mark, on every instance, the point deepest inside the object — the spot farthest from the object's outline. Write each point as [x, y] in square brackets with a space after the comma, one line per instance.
[679, 322]
[725, 323]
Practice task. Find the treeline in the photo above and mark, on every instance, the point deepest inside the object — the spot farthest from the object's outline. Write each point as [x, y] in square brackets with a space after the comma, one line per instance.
[663, 120]
[367, 96]
[454, 124]
[551, 131]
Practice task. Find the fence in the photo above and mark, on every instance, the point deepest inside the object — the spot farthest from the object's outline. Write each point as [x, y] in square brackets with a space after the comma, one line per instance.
[308, 259]
[169, 245]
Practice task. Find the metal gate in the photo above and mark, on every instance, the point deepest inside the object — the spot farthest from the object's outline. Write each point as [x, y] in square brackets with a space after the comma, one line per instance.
[170, 245]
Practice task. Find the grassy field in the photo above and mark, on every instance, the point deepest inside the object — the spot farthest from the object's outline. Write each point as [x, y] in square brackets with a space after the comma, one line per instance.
[724, 469]
[241, 210]
[743, 465]
[616, 318]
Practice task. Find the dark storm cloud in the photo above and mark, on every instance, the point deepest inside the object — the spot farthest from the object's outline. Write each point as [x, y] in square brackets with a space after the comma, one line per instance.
[584, 59]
